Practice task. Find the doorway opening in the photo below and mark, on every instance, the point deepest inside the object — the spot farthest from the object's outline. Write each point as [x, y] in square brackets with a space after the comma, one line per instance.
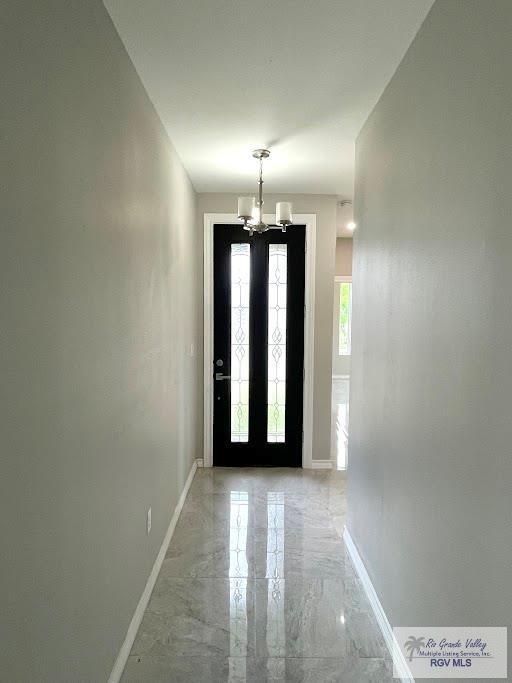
[309, 221]
[341, 352]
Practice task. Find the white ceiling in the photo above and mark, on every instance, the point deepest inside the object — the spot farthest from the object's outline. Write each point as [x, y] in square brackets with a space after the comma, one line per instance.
[297, 76]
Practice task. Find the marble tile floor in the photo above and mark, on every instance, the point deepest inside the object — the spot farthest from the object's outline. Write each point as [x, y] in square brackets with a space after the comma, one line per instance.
[257, 586]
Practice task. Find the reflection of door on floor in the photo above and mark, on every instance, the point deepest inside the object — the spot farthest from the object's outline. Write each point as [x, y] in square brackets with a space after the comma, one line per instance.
[339, 422]
[258, 346]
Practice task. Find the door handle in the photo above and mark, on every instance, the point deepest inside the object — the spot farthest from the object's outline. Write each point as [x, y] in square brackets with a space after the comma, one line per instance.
[219, 376]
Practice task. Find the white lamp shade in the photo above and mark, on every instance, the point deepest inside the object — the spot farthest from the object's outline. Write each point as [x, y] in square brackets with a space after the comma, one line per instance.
[284, 213]
[245, 207]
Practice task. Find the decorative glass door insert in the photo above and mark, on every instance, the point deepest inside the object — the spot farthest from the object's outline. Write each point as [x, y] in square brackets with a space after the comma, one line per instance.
[240, 284]
[277, 283]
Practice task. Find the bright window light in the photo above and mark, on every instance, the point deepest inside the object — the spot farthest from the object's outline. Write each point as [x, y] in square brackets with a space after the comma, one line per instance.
[345, 316]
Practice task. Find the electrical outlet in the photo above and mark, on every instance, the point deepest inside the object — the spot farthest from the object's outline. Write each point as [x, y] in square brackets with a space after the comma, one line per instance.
[148, 521]
[192, 350]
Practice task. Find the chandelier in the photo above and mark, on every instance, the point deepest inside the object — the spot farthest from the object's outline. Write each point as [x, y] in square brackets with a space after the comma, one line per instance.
[250, 209]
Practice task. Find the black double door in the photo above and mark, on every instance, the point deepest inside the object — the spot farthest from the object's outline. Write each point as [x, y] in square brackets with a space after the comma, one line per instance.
[258, 347]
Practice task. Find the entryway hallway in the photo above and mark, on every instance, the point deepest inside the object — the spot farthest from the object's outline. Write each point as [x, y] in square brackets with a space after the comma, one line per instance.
[257, 586]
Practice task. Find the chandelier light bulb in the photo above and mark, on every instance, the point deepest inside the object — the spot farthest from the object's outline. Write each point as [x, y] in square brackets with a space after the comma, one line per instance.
[284, 213]
[245, 207]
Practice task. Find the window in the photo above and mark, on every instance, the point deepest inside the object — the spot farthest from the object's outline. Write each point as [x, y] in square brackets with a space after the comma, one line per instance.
[345, 316]
[277, 294]
[240, 286]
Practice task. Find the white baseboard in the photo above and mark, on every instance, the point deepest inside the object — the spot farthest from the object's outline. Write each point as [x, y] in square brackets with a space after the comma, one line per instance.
[126, 647]
[200, 462]
[382, 620]
[321, 464]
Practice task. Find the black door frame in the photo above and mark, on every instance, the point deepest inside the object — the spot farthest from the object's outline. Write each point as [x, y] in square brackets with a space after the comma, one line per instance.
[209, 220]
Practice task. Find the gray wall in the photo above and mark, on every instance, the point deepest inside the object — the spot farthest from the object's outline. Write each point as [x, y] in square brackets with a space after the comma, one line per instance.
[343, 262]
[324, 206]
[100, 301]
[430, 430]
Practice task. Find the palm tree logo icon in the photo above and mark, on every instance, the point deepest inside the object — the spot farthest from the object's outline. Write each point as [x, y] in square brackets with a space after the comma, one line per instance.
[413, 644]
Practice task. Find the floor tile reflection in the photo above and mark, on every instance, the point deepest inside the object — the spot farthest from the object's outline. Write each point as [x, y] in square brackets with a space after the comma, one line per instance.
[339, 421]
[257, 586]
